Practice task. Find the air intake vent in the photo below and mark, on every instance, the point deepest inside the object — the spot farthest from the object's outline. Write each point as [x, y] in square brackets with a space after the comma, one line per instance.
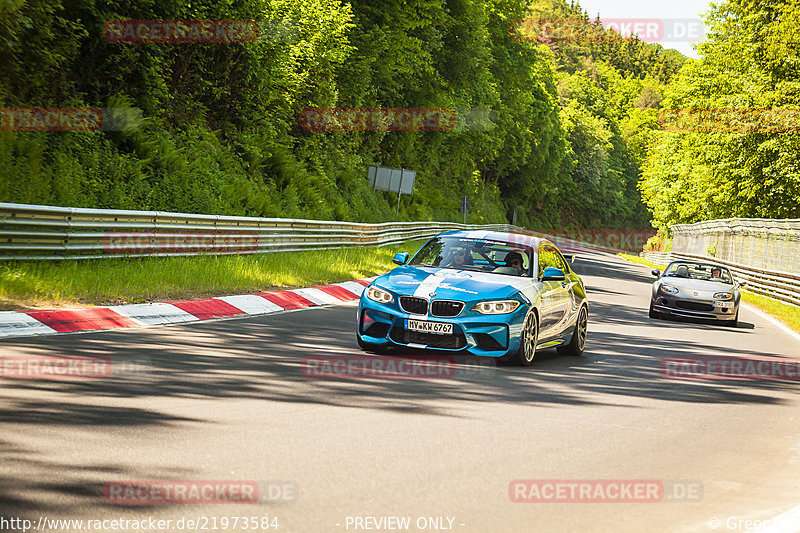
[694, 306]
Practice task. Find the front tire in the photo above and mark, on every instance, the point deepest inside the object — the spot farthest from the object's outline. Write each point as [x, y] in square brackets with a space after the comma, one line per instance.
[527, 344]
[578, 341]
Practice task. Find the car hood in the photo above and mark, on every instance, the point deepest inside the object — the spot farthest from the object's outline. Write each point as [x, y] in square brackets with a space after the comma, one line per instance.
[696, 285]
[449, 284]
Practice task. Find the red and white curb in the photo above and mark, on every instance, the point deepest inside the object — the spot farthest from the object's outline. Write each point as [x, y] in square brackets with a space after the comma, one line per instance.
[54, 321]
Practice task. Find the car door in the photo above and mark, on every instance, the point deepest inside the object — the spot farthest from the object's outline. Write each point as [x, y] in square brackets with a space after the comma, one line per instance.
[551, 310]
[563, 294]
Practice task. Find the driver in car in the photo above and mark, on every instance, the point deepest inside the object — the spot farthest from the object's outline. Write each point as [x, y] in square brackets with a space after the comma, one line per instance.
[459, 258]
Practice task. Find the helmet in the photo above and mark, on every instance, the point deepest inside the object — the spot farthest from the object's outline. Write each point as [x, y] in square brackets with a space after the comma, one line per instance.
[514, 256]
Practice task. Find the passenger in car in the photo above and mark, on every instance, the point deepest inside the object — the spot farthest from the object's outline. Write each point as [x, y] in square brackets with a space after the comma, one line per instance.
[514, 260]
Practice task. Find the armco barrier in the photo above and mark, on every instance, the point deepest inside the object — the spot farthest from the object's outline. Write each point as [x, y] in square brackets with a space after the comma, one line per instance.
[30, 232]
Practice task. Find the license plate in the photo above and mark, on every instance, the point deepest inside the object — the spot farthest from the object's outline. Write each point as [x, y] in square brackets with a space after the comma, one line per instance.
[439, 328]
[724, 305]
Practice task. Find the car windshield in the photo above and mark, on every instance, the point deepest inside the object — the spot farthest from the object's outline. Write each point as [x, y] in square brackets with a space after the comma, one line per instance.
[480, 255]
[700, 271]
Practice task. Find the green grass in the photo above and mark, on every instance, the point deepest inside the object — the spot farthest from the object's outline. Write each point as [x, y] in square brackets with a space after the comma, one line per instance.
[787, 313]
[640, 261]
[27, 285]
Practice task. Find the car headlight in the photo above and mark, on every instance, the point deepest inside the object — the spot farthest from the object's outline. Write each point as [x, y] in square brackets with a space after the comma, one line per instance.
[723, 296]
[379, 295]
[669, 289]
[497, 307]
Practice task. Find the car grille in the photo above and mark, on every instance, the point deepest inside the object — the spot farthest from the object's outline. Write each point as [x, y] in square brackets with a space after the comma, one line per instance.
[694, 306]
[405, 336]
[446, 307]
[413, 305]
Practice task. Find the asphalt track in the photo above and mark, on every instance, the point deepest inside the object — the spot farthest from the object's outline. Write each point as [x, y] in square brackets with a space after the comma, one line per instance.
[230, 400]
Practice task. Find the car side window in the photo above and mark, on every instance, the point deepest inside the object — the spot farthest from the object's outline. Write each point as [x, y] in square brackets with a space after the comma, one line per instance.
[546, 259]
[561, 263]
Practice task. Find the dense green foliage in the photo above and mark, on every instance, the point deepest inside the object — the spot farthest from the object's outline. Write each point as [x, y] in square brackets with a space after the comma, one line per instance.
[550, 131]
[749, 61]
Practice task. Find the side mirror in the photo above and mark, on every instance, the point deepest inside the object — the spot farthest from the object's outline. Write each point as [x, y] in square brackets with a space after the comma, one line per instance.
[400, 258]
[553, 274]
[655, 272]
[571, 258]
[742, 284]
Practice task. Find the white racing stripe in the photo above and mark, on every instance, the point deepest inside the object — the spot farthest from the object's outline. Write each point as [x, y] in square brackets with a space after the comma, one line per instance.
[428, 286]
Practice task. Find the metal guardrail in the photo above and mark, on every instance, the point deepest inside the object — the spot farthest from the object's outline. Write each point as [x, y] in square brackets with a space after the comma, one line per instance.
[35, 232]
[749, 247]
[783, 286]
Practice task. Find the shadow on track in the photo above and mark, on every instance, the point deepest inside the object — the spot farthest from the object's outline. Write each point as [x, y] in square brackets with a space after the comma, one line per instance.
[262, 358]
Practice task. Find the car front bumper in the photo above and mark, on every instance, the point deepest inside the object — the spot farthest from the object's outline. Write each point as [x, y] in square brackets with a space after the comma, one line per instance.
[481, 335]
[700, 309]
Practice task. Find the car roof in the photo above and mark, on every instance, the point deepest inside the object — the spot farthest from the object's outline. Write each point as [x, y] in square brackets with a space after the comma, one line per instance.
[504, 236]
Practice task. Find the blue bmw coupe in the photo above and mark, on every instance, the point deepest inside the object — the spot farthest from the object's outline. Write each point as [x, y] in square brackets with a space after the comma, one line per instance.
[491, 294]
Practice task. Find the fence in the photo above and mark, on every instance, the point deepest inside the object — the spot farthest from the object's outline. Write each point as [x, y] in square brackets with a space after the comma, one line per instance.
[763, 253]
[765, 244]
[30, 232]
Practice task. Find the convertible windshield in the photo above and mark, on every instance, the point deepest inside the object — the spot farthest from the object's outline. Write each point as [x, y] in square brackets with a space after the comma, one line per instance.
[475, 254]
[701, 271]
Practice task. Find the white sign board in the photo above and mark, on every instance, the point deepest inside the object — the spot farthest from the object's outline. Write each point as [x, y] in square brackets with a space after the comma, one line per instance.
[396, 180]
